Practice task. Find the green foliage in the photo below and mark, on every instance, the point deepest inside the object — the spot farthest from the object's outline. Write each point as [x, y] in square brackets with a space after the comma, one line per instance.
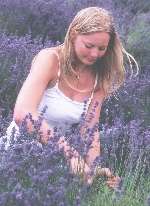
[134, 6]
[138, 38]
[101, 195]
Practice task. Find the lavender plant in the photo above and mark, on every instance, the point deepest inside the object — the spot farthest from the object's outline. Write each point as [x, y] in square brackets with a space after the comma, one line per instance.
[138, 37]
[38, 18]
[126, 150]
[42, 18]
[34, 174]
[125, 144]
[16, 55]
[131, 102]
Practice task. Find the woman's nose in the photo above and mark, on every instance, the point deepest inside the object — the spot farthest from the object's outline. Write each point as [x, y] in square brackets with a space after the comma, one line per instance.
[94, 53]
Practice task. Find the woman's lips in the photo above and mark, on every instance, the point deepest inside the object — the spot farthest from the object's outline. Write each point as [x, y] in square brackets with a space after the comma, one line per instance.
[91, 60]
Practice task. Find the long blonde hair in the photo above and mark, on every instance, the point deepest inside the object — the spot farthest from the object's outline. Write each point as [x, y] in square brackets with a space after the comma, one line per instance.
[110, 67]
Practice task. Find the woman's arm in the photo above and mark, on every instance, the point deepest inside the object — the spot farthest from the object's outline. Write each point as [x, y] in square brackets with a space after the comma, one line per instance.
[43, 70]
[94, 115]
[94, 151]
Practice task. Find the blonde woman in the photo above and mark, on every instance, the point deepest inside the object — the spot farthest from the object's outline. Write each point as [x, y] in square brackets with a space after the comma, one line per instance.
[87, 66]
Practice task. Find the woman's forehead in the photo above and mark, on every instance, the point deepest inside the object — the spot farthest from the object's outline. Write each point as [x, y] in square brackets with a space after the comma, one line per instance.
[97, 37]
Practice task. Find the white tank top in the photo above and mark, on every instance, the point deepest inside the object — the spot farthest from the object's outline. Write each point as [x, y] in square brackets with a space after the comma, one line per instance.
[61, 110]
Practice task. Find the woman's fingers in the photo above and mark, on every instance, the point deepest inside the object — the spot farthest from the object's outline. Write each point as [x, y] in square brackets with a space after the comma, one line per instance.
[107, 172]
[103, 172]
[80, 167]
[113, 182]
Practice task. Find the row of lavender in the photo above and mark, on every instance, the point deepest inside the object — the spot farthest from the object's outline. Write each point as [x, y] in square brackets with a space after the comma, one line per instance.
[28, 174]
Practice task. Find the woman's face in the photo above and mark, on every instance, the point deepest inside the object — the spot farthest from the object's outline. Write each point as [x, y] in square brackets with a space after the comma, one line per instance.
[89, 47]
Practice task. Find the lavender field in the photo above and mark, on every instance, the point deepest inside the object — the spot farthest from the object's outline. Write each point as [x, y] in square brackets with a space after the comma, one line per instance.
[38, 175]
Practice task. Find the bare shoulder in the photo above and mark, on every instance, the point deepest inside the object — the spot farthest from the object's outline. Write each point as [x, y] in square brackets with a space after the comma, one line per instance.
[43, 69]
[46, 62]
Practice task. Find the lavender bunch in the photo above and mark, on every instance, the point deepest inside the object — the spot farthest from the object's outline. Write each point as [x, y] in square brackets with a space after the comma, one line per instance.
[127, 145]
[34, 174]
[130, 102]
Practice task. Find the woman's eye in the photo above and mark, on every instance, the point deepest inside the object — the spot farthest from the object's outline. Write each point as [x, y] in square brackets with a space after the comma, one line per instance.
[88, 46]
[102, 48]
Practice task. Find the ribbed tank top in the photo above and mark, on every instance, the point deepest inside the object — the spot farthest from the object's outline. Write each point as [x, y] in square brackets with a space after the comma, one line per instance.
[61, 111]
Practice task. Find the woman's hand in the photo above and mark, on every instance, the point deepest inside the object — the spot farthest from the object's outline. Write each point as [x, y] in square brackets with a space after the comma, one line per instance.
[80, 167]
[113, 181]
[45, 132]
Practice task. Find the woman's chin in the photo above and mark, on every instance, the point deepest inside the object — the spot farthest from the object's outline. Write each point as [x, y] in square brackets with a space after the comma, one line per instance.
[87, 62]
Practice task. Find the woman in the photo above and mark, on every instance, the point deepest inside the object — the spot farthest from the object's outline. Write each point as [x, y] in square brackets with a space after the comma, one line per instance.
[87, 66]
